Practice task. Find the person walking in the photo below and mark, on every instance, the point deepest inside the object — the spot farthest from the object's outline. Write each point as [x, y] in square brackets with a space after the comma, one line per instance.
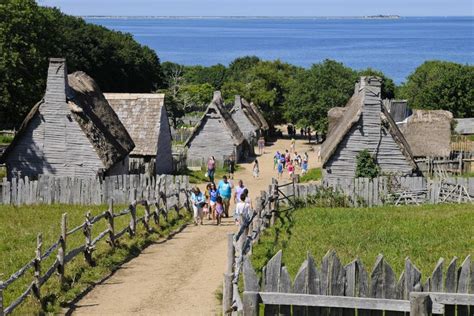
[242, 210]
[291, 169]
[256, 169]
[213, 194]
[280, 169]
[211, 168]
[219, 210]
[293, 146]
[225, 191]
[276, 158]
[197, 198]
[231, 167]
[239, 189]
[261, 145]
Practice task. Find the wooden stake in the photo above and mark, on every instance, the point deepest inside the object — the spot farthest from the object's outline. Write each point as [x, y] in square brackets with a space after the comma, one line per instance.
[62, 249]
[420, 304]
[110, 219]
[37, 266]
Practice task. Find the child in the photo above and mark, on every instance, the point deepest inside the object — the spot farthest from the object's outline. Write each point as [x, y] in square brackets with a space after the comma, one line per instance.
[280, 169]
[219, 209]
[207, 209]
[212, 200]
[304, 167]
[276, 158]
[291, 169]
[256, 169]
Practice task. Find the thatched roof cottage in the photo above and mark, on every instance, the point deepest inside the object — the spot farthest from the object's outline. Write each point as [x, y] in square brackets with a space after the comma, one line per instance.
[217, 135]
[72, 131]
[366, 124]
[146, 120]
[247, 120]
[428, 132]
[259, 116]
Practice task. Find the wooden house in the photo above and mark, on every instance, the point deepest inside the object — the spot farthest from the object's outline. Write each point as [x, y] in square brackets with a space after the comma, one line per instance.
[264, 127]
[247, 120]
[428, 132]
[146, 120]
[366, 124]
[72, 131]
[464, 126]
[398, 109]
[217, 135]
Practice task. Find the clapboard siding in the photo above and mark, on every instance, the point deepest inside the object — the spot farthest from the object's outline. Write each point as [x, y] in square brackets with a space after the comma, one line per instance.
[164, 154]
[245, 125]
[212, 140]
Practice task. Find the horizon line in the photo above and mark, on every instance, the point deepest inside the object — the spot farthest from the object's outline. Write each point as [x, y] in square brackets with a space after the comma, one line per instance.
[279, 16]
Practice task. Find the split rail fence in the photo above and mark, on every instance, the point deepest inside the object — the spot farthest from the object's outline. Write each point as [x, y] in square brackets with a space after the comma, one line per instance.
[335, 289]
[123, 189]
[112, 234]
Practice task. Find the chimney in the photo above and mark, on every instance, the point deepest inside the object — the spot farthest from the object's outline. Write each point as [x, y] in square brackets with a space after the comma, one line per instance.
[57, 80]
[372, 82]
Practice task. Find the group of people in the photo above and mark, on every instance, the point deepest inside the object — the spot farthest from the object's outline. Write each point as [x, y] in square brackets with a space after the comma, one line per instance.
[214, 203]
[290, 160]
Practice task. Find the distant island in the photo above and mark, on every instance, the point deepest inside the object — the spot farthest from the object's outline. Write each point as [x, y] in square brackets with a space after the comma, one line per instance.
[151, 17]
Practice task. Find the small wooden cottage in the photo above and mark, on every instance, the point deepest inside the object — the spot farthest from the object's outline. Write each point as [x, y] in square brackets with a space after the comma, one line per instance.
[72, 131]
[366, 124]
[146, 120]
[398, 109]
[217, 135]
[428, 132]
[464, 126]
[247, 120]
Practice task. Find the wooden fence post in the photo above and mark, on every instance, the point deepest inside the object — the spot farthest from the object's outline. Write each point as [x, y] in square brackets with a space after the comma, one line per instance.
[420, 304]
[87, 234]
[1, 299]
[37, 266]
[250, 304]
[228, 276]
[62, 249]
[111, 226]
[133, 219]
[146, 218]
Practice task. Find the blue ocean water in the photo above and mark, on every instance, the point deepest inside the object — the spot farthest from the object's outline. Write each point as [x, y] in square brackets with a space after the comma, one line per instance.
[395, 46]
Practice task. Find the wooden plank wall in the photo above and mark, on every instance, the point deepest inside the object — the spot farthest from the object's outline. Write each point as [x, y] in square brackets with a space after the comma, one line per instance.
[91, 191]
[374, 192]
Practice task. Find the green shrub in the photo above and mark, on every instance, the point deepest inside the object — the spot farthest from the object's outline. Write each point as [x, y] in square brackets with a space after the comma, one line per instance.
[366, 165]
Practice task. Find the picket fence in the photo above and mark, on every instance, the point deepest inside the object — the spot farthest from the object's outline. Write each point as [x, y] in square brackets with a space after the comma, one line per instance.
[123, 189]
[387, 190]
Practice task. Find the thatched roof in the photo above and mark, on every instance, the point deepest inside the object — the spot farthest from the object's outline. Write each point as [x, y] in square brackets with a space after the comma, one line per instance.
[140, 113]
[428, 132]
[90, 110]
[365, 93]
[240, 104]
[263, 122]
[216, 110]
[334, 116]
[465, 126]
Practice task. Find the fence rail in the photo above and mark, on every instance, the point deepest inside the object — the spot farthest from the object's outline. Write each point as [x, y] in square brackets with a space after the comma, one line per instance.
[123, 189]
[64, 255]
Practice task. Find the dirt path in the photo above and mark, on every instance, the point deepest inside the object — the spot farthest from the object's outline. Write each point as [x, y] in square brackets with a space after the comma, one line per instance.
[182, 275]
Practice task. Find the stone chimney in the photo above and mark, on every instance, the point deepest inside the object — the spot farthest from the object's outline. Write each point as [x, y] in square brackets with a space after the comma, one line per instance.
[56, 83]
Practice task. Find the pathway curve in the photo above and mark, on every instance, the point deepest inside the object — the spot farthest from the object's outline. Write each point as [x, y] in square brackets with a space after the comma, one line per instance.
[179, 276]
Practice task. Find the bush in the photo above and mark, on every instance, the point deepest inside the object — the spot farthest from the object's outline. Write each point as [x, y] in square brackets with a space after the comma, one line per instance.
[366, 165]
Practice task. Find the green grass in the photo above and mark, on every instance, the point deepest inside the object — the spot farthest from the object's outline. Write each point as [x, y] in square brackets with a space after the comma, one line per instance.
[18, 231]
[197, 176]
[423, 233]
[3, 173]
[470, 137]
[313, 174]
[6, 139]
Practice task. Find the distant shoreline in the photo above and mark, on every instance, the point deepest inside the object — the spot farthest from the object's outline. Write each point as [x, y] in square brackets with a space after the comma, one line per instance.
[368, 17]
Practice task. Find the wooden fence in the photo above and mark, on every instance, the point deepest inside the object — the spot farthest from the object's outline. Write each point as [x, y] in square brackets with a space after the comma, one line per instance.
[88, 191]
[334, 289]
[64, 255]
[395, 190]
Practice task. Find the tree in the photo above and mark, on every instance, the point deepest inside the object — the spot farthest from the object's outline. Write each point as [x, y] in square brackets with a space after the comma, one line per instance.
[213, 75]
[314, 91]
[30, 34]
[441, 85]
[240, 66]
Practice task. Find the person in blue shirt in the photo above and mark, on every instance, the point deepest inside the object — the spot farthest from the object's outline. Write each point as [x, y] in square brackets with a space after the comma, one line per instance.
[198, 200]
[225, 191]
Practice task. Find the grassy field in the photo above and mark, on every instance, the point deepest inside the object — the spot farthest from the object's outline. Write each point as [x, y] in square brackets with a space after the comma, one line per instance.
[423, 233]
[18, 231]
[313, 174]
[5, 139]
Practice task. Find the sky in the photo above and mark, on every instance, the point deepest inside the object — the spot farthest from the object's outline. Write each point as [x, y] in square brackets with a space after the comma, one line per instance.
[264, 7]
